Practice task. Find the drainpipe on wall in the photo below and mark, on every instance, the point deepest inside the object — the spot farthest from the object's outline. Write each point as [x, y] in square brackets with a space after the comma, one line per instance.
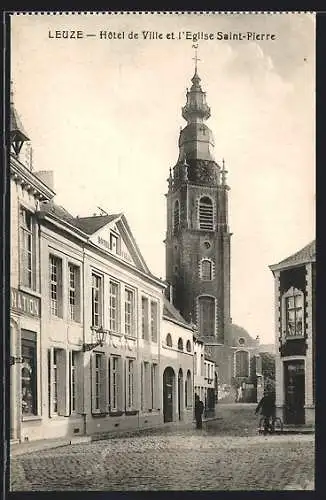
[84, 374]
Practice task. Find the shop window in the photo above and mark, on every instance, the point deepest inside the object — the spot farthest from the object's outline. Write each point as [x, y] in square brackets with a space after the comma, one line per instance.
[29, 373]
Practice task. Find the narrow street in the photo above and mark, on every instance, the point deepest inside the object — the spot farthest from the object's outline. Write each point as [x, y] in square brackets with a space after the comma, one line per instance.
[227, 454]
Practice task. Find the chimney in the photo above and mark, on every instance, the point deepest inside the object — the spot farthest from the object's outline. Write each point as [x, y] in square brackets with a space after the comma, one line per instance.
[46, 176]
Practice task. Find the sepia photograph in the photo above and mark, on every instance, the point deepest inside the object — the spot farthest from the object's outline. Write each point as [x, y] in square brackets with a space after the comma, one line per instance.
[162, 251]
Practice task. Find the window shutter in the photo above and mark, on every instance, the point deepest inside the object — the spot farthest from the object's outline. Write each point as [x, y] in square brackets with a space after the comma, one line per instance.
[142, 395]
[49, 383]
[62, 385]
[70, 381]
[103, 382]
[120, 384]
[79, 371]
[93, 385]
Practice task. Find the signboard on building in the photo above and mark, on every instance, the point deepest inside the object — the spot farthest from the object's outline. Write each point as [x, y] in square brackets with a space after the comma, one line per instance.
[24, 303]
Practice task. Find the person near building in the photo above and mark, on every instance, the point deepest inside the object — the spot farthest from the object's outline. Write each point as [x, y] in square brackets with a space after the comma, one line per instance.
[199, 408]
[267, 408]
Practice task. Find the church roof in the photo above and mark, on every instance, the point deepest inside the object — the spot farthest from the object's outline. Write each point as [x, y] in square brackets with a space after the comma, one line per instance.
[303, 256]
[238, 332]
[170, 312]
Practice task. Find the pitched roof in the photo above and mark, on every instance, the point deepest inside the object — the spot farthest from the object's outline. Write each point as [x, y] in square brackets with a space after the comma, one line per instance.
[92, 224]
[16, 124]
[306, 254]
[172, 313]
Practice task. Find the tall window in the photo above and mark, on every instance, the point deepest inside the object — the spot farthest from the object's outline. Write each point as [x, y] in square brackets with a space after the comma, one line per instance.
[146, 386]
[242, 364]
[114, 382]
[26, 229]
[113, 309]
[97, 381]
[154, 321]
[206, 213]
[206, 270]
[129, 312]
[207, 315]
[180, 344]
[55, 285]
[144, 316]
[73, 381]
[130, 383]
[176, 215]
[96, 300]
[169, 340]
[195, 363]
[294, 315]
[73, 292]
[28, 374]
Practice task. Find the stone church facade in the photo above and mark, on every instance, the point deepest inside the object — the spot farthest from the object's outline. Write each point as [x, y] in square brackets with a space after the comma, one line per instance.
[198, 240]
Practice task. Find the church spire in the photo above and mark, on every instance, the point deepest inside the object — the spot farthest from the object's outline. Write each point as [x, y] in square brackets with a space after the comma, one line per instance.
[17, 133]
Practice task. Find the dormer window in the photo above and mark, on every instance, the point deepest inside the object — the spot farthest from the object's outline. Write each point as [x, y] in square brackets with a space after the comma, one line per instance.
[113, 243]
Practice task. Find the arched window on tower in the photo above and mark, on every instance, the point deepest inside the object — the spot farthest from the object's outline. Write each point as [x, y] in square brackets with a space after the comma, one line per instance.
[207, 315]
[176, 215]
[180, 344]
[206, 270]
[206, 213]
[242, 364]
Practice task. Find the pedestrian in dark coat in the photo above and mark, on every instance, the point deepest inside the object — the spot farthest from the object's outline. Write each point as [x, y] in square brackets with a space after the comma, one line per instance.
[199, 408]
[267, 408]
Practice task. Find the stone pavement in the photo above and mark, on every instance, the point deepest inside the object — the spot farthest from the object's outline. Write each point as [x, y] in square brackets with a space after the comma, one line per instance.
[227, 454]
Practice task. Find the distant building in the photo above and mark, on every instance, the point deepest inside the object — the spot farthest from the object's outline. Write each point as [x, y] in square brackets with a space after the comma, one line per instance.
[177, 366]
[205, 377]
[295, 330]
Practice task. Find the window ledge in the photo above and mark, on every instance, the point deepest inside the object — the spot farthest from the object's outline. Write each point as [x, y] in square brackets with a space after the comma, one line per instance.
[131, 412]
[295, 337]
[130, 337]
[30, 418]
[99, 414]
[30, 291]
[116, 413]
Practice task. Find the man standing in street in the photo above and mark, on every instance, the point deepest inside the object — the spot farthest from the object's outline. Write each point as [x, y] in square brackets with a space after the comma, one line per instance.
[199, 408]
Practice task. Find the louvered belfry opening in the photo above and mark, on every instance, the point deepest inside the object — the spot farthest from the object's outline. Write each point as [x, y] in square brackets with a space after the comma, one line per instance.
[206, 213]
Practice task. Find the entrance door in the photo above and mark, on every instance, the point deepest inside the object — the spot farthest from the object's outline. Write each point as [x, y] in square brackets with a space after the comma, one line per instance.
[294, 380]
[168, 379]
[180, 393]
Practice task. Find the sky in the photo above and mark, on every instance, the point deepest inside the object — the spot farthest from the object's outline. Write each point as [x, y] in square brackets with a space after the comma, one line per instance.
[105, 115]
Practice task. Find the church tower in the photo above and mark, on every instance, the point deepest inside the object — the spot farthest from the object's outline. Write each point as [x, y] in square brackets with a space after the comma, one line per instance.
[198, 235]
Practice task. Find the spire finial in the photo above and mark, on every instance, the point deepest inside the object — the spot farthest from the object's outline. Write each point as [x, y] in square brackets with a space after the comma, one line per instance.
[224, 172]
[196, 59]
[11, 92]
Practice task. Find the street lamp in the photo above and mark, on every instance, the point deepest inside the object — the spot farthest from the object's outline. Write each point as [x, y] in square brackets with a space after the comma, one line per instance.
[100, 335]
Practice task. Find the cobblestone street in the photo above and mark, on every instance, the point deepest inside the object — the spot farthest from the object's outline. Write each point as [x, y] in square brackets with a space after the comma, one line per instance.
[215, 458]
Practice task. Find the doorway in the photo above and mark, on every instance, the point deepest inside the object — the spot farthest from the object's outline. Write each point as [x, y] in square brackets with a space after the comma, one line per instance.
[168, 383]
[180, 393]
[294, 385]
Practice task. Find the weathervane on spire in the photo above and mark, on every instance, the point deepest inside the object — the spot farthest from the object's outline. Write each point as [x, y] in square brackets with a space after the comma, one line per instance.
[196, 59]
